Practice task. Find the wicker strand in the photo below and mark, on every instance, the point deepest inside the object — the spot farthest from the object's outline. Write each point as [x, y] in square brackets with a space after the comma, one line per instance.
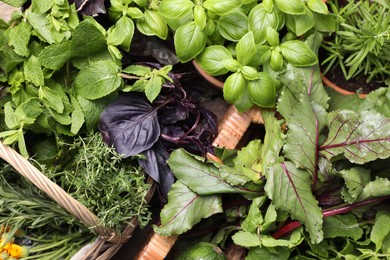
[25, 168]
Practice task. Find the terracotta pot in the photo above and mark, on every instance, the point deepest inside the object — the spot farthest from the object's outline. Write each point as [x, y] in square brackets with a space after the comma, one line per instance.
[214, 81]
[340, 90]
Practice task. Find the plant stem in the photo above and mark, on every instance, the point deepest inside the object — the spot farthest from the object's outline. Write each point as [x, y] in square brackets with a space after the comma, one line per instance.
[344, 208]
[125, 76]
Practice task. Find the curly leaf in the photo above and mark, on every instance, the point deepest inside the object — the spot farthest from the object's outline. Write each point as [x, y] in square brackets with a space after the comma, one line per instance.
[360, 137]
[289, 189]
[185, 208]
[130, 124]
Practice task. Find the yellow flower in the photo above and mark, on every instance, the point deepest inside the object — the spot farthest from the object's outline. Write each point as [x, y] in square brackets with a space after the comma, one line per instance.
[18, 251]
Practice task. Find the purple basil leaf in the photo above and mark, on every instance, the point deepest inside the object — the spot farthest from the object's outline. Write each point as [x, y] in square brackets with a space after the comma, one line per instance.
[89, 7]
[155, 165]
[130, 124]
[171, 114]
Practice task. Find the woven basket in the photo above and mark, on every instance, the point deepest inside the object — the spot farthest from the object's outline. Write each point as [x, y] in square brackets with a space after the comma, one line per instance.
[108, 242]
[230, 131]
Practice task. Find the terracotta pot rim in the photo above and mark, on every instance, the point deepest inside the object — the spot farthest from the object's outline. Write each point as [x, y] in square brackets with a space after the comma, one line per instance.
[340, 90]
[213, 80]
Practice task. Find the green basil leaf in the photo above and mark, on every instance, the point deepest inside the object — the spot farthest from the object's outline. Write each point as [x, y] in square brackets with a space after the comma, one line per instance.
[142, 3]
[243, 103]
[318, 6]
[246, 49]
[33, 71]
[249, 73]
[234, 87]
[233, 26]
[210, 59]
[200, 17]
[56, 55]
[262, 91]
[231, 64]
[298, 53]
[189, 41]
[176, 12]
[291, 6]
[121, 33]
[268, 5]
[98, 79]
[134, 12]
[222, 7]
[300, 24]
[153, 24]
[259, 20]
[272, 37]
[19, 37]
[276, 60]
[263, 54]
[324, 23]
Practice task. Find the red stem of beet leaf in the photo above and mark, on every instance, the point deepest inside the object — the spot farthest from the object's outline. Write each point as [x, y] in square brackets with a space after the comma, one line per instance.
[344, 208]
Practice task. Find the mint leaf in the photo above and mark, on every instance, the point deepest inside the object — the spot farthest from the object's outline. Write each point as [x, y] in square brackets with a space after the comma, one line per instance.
[88, 44]
[98, 79]
[381, 229]
[289, 189]
[42, 25]
[137, 70]
[77, 116]
[15, 3]
[153, 87]
[360, 137]
[342, 226]
[19, 37]
[9, 116]
[185, 209]
[33, 71]
[41, 6]
[51, 98]
[121, 33]
[56, 55]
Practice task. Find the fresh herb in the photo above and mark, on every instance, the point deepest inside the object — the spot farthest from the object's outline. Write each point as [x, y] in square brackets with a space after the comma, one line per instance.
[320, 171]
[361, 43]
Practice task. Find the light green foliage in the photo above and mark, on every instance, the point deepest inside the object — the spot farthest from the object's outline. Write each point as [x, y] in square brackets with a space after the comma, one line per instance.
[342, 226]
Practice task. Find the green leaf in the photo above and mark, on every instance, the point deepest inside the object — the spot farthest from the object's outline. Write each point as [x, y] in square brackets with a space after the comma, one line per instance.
[176, 12]
[377, 188]
[152, 24]
[246, 239]
[234, 87]
[233, 26]
[272, 37]
[88, 44]
[355, 180]
[291, 6]
[200, 16]
[10, 136]
[250, 73]
[138, 70]
[185, 209]
[276, 60]
[56, 55]
[246, 49]
[278, 253]
[263, 54]
[42, 26]
[221, 8]
[298, 53]
[318, 6]
[360, 137]
[294, 240]
[98, 80]
[300, 24]
[14, 3]
[41, 6]
[262, 91]
[381, 229]
[243, 103]
[51, 98]
[9, 116]
[77, 116]
[204, 179]
[210, 59]
[324, 23]
[28, 111]
[33, 71]
[189, 41]
[153, 87]
[19, 37]
[342, 226]
[9, 59]
[254, 220]
[289, 189]
[259, 20]
[121, 33]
